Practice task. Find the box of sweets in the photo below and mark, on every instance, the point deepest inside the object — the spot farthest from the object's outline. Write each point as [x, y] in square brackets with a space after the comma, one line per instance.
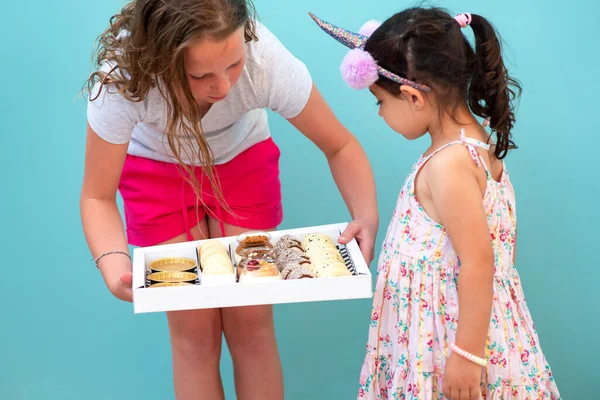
[287, 266]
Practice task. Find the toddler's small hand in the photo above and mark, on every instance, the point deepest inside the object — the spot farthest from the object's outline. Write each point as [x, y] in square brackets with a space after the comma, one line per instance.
[462, 379]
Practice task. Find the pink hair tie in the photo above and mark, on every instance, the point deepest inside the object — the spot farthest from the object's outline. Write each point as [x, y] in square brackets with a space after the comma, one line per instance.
[463, 20]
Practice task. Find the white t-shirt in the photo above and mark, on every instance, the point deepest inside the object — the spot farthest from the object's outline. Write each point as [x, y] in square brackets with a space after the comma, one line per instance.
[272, 78]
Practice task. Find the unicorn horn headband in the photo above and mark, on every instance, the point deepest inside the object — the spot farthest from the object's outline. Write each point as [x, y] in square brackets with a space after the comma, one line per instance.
[359, 69]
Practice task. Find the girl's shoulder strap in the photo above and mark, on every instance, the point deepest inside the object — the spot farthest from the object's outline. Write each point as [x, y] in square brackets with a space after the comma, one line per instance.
[469, 143]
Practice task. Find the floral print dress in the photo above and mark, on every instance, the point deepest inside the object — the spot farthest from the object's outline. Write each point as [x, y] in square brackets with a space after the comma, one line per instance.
[415, 310]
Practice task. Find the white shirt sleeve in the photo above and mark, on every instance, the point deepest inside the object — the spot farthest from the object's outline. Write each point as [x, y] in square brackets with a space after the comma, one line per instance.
[284, 84]
[111, 115]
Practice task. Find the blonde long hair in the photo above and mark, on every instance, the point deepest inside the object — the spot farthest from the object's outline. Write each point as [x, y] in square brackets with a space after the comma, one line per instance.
[159, 31]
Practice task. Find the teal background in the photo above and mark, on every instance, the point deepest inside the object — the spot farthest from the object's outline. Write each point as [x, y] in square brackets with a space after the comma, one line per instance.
[63, 335]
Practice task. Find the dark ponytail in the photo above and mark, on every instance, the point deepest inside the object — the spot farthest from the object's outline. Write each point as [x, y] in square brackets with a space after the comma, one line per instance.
[427, 45]
[492, 90]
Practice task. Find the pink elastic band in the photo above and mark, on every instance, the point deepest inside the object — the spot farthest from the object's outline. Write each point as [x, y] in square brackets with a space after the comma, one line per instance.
[463, 19]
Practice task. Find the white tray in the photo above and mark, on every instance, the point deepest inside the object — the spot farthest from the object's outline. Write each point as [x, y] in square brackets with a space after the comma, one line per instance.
[213, 292]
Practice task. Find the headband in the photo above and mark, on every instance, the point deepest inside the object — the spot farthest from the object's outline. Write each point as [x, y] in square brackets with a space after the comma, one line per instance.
[359, 69]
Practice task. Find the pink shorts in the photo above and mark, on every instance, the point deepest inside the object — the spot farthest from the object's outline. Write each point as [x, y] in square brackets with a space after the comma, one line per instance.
[159, 204]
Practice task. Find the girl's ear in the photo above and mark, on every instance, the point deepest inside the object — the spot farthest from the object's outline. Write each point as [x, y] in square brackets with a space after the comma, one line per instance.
[414, 96]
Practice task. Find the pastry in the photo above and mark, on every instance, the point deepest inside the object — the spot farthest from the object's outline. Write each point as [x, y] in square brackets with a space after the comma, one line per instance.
[330, 270]
[250, 240]
[170, 284]
[315, 238]
[300, 273]
[253, 253]
[213, 244]
[214, 259]
[287, 242]
[319, 256]
[259, 270]
[205, 254]
[173, 264]
[291, 259]
[253, 239]
[291, 255]
[325, 258]
[257, 252]
[172, 277]
[218, 265]
[286, 269]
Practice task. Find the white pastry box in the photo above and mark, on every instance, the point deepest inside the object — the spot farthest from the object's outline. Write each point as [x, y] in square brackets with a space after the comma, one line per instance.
[219, 291]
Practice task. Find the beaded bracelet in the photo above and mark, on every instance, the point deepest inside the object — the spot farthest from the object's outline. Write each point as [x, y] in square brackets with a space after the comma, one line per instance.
[107, 253]
[468, 356]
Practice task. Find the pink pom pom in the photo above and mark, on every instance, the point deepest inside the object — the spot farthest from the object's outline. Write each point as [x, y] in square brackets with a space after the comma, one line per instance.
[359, 69]
[369, 27]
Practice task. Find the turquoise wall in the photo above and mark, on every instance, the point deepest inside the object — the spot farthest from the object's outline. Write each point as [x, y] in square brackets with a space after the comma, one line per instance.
[64, 337]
